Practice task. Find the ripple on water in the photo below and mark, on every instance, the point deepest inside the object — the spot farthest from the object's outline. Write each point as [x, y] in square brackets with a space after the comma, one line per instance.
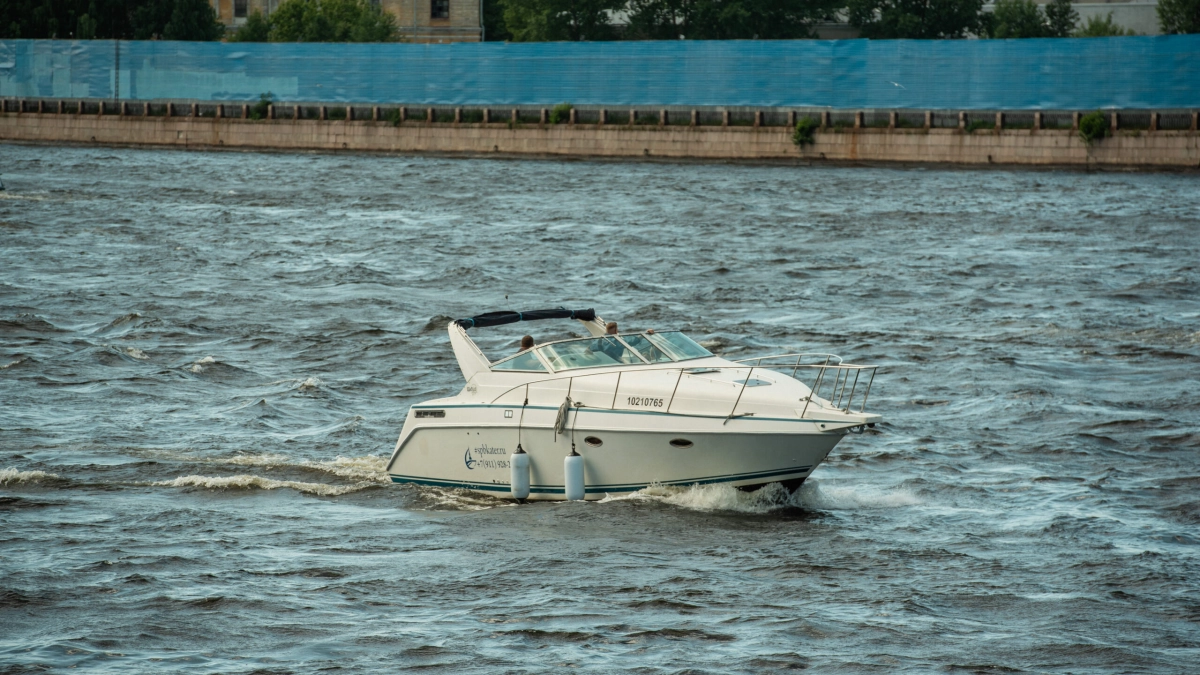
[205, 360]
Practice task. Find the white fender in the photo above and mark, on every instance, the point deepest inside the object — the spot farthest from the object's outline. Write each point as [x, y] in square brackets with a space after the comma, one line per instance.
[519, 479]
[573, 475]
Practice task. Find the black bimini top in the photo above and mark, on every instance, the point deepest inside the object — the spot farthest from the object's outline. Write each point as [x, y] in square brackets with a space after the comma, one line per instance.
[501, 318]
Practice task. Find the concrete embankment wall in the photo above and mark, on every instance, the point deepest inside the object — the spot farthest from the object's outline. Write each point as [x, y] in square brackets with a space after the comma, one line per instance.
[1032, 147]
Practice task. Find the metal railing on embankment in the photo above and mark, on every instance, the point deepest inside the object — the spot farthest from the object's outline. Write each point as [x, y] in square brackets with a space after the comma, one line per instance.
[842, 391]
[641, 116]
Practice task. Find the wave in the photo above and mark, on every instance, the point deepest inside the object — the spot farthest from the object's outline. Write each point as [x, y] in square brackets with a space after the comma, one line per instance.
[198, 366]
[134, 352]
[773, 497]
[248, 482]
[816, 496]
[454, 499]
[371, 468]
[13, 477]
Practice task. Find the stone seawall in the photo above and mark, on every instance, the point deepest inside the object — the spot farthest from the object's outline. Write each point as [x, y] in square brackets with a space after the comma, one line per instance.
[1030, 147]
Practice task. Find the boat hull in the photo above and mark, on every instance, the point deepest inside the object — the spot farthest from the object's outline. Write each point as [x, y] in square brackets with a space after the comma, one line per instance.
[622, 453]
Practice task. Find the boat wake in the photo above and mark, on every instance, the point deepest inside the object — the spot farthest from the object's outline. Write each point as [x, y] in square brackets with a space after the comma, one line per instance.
[249, 482]
[13, 476]
[811, 496]
[364, 472]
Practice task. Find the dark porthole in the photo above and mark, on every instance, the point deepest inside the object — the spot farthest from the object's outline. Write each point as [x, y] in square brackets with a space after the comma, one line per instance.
[682, 443]
[593, 441]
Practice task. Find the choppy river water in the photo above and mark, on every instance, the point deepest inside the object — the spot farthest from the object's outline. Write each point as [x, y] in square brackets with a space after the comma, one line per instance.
[206, 357]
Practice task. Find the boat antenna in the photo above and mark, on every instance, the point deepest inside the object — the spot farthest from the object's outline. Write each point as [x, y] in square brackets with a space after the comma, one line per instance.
[521, 421]
[578, 404]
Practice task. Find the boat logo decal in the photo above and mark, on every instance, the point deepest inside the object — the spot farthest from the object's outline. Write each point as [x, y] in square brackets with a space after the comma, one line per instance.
[486, 457]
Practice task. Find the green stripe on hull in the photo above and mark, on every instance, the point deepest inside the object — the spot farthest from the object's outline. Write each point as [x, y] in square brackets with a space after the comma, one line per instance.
[598, 489]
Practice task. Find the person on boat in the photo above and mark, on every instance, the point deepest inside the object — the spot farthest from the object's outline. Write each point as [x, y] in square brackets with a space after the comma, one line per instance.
[611, 329]
[526, 343]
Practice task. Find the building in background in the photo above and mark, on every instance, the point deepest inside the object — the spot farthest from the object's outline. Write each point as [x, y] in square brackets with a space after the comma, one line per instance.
[417, 20]
[1140, 16]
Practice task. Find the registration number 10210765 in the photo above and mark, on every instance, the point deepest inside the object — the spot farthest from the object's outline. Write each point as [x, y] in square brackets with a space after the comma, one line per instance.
[645, 401]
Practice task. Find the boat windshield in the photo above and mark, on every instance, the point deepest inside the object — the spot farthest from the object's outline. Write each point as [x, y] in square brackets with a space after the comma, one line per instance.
[679, 346]
[527, 361]
[646, 348]
[587, 353]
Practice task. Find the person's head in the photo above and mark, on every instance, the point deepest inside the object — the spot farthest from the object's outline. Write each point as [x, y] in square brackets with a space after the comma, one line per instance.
[527, 342]
[611, 328]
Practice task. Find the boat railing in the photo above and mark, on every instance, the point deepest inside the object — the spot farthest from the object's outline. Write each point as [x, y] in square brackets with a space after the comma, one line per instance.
[836, 385]
[837, 393]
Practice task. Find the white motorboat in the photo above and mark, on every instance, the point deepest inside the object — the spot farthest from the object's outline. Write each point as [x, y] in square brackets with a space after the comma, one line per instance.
[613, 414]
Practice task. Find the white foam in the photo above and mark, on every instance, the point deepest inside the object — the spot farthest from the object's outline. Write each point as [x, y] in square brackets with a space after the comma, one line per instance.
[366, 468]
[713, 497]
[10, 365]
[246, 482]
[136, 353]
[852, 497]
[310, 383]
[369, 468]
[198, 366]
[248, 460]
[461, 500]
[772, 497]
[13, 476]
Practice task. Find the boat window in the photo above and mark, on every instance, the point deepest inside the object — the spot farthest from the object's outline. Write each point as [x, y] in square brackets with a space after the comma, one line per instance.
[678, 345]
[523, 361]
[646, 348]
[602, 351]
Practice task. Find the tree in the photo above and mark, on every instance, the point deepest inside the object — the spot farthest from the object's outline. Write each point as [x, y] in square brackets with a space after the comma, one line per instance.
[85, 28]
[256, 29]
[728, 19]
[192, 20]
[559, 20]
[494, 28]
[1179, 16]
[1061, 18]
[915, 19]
[1017, 19]
[1097, 27]
[331, 21]
[65, 19]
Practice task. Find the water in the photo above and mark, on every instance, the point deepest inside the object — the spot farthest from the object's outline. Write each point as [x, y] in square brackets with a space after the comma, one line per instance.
[206, 357]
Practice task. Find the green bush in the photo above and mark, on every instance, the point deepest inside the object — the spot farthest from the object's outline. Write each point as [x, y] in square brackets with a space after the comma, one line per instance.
[393, 116]
[561, 113]
[335, 113]
[1097, 27]
[258, 111]
[972, 127]
[806, 128]
[256, 29]
[331, 21]
[1093, 126]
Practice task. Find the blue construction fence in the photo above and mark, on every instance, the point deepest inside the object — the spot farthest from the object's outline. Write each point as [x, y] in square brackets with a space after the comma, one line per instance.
[1030, 74]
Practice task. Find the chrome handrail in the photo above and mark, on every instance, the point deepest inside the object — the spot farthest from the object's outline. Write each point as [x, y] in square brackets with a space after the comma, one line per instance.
[841, 380]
